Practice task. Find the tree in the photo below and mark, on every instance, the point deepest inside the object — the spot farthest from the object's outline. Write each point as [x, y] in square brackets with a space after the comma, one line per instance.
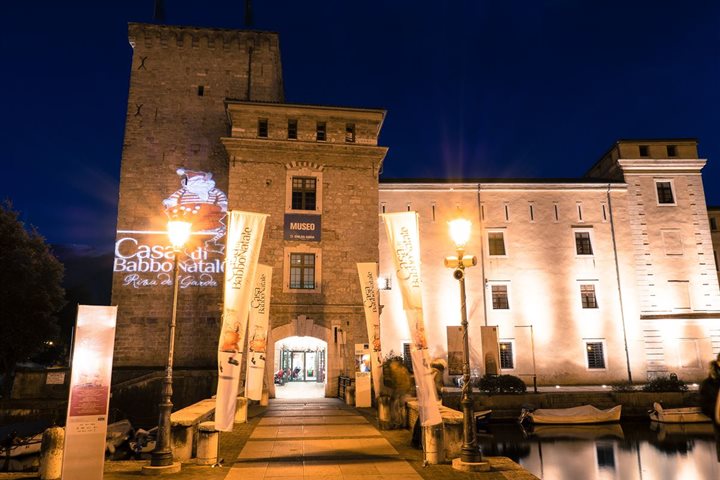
[30, 293]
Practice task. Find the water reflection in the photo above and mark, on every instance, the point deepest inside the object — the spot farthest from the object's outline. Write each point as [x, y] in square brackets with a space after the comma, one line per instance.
[628, 451]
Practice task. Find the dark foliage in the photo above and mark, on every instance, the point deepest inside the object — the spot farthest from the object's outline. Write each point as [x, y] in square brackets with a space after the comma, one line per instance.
[30, 293]
[494, 384]
[623, 387]
[665, 384]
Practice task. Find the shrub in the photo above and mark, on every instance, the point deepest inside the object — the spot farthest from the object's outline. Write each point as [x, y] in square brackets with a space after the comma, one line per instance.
[494, 384]
[665, 384]
[622, 387]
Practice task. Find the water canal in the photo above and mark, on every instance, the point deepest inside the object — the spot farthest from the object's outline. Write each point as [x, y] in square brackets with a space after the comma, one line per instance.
[622, 451]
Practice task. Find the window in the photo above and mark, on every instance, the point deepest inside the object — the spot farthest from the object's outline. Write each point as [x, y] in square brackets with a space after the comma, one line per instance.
[350, 133]
[587, 296]
[262, 128]
[507, 362]
[407, 358]
[672, 151]
[644, 151]
[496, 243]
[557, 212]
[303, 193]
[320, 132]
[507, 212]
[713, 224]
[302, 271]
[664, 192]
[595, 355]
[201, 90]
[583, 246]
[292, 129]
[532, 212]
[579, 212]
[500, 297]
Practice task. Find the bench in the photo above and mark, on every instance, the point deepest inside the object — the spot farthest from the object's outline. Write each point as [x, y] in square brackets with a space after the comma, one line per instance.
[184, 428]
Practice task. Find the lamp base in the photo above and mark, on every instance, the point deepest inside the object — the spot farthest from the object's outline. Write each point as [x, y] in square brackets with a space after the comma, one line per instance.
[458, 464]
[164, 470]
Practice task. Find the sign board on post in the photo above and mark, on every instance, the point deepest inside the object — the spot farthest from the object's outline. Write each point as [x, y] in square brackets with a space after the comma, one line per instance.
[86, 424]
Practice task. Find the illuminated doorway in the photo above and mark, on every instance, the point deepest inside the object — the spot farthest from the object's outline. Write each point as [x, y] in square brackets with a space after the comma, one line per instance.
[300, 367]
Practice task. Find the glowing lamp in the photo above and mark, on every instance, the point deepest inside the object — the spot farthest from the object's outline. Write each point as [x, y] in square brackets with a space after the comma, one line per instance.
[460, 232]
[178, 232]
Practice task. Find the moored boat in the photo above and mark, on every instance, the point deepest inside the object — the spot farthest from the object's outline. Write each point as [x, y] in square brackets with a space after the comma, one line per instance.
[584, 414]
[677, 415]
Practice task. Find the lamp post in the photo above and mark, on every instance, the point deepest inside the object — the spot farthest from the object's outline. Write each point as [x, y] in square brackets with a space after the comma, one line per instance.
[179, 233]
[460, 233]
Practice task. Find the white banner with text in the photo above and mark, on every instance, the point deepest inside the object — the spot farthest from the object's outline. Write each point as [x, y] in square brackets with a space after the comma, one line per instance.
[244, 239]
[371, 304]
[258, 332]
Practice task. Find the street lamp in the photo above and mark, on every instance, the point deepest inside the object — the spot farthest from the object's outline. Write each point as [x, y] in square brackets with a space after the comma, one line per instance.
[179, 230]
[460, 234]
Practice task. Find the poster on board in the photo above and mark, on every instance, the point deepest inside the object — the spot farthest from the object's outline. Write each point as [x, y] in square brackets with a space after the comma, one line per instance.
[87, 414]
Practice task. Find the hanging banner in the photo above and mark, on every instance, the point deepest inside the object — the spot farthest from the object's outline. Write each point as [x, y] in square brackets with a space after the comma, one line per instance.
[404, 240]
[87, 414]
[371, 298]
[243, 248]
[257, 333]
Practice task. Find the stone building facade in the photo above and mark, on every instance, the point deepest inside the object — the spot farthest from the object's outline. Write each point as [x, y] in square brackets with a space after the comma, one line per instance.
[594, 280]
[589, 280]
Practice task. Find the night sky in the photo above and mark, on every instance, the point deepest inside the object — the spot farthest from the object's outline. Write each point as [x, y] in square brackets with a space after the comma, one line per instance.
[472, 88]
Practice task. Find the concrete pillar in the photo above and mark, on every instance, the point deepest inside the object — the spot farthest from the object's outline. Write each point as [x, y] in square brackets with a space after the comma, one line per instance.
[181, 442]
[241, 409]
[433, 444]
[207, 447]
[383, 405]
[51, 453]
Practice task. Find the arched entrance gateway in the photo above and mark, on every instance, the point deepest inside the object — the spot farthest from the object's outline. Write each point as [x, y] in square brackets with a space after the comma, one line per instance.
[305, 359]
[300, 367]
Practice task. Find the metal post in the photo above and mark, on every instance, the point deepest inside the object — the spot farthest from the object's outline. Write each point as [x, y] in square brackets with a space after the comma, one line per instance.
[162, 455]
[469, 452]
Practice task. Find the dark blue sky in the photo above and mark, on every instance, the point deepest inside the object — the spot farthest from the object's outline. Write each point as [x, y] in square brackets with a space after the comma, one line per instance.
[474, 88]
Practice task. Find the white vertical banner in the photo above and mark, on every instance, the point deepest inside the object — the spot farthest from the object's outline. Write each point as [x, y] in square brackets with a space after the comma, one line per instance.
[258, 332]
[87, 415]
[371, 304]
[244, 238]
[404, 239]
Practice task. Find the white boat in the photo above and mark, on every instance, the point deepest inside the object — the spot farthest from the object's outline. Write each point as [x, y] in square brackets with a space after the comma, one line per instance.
[575, 415]
[117, 433]
[677, 415]
[22, 446]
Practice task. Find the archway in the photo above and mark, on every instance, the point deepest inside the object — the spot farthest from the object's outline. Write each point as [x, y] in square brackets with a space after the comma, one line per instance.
[300, 366]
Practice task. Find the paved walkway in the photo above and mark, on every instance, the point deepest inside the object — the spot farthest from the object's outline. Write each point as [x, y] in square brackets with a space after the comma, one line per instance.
[318, 439]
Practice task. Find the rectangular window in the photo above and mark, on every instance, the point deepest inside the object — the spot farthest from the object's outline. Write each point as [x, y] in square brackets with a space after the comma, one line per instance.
[201, 90]
[644, 150]
[303, 193]
[292, 129]
[302, 270]
[579, 212]
[349, 133]
[262, 128]
[407, 359]
[604, 212]
[665, 193]
[500, 297]
[587, 296]
[532, 212]
[713, 224]
[583, 246]
[320, 132]
[672, 151]
[496, 243]
[507, 212]
[595, 355]
[557, 213]
[507, 362]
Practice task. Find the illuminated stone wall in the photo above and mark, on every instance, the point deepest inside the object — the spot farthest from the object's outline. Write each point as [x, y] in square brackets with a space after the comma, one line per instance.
[261, 171]
[180, 78]
[631, 265]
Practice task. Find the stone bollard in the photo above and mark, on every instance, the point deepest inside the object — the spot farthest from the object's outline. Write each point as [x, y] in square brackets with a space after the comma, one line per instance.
[265, 400]
[383, 404]
[51, 453]
[241, 409]
[433, 444]
[207, 447]
[350, 396]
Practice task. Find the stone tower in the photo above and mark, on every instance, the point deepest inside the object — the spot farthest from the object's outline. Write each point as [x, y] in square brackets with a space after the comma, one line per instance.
[180, 80]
